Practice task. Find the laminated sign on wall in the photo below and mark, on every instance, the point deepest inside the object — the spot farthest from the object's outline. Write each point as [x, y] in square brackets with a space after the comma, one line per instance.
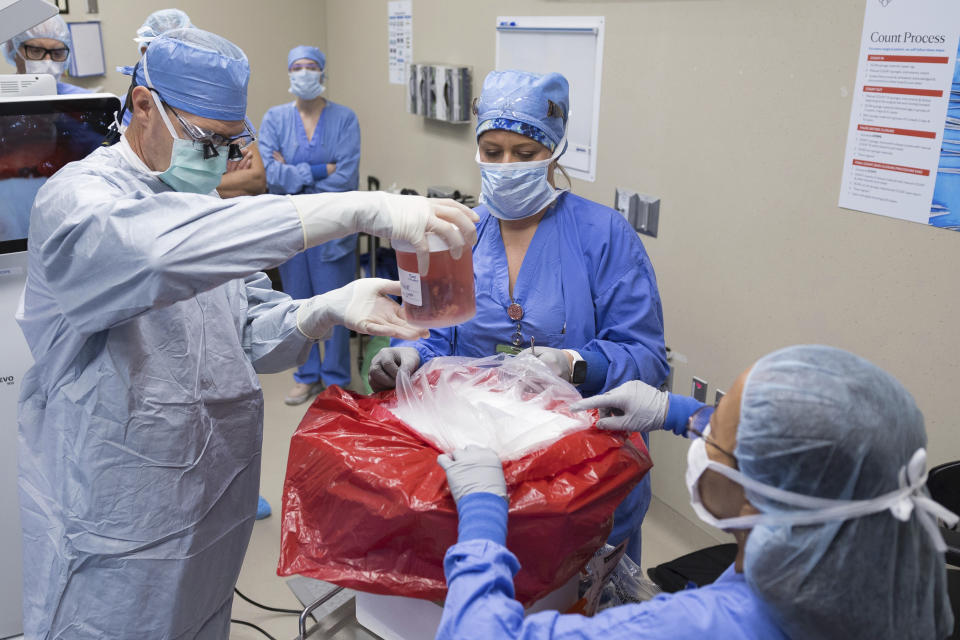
[903, 145]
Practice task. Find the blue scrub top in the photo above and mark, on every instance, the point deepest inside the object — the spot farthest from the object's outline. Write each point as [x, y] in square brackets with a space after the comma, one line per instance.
[336, 139]
[586, 283]
[480, 604]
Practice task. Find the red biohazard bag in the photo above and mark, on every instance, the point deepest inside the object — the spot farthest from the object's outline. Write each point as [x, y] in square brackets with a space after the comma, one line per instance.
[366, 506]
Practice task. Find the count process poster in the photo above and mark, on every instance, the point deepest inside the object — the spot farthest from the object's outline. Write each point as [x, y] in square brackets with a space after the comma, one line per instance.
[903, 146]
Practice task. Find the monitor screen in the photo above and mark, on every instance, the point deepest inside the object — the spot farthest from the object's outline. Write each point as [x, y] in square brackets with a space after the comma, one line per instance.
[38, 136]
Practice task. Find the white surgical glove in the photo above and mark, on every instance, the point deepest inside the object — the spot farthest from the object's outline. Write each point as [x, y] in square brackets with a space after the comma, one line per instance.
[387, 365]
[557, 360]
[326, 216]
[633, 406]
[473, 469]
[362, 306]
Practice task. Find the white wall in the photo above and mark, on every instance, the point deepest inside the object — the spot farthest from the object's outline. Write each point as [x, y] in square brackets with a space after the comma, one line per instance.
[734, 112]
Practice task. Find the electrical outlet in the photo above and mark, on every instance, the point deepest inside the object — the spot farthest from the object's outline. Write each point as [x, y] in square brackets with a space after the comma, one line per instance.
[699, 390]
[640, 210]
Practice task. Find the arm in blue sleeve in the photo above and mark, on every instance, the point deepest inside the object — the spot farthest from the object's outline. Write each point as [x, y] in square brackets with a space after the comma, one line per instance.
[679, 410]
[346, 155]
[109, 256]
[281, 177]
[480, 604]
[597, 365]
[483, 516]
[271, 339]
[629, 328]
[440, 343]
[318, 171]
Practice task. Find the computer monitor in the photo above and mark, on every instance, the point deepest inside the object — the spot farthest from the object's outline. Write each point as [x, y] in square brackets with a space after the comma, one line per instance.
[38, 136]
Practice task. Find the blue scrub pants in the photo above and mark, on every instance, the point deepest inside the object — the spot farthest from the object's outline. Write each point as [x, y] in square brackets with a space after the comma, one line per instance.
[305, 276]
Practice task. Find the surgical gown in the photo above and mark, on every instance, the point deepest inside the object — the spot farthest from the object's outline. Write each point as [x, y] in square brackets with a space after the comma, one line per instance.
[141, 419]
[480, 604]
[586, 283]
[331, 265]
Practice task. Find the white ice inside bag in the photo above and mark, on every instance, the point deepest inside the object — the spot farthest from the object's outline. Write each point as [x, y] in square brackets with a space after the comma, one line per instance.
[511, 404]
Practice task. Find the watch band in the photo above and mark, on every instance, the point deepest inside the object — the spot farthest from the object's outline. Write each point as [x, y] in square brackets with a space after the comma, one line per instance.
[578, 372]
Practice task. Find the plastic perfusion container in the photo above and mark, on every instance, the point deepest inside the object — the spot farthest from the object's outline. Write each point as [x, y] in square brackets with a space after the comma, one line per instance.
[444, 296]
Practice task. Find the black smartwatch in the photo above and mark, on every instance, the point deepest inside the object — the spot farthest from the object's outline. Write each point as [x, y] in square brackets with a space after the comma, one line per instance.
[579, 373]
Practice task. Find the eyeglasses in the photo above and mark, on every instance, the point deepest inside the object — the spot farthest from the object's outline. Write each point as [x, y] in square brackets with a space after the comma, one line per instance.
[59, 54]
[698, 424]
[301, 67]
[212, 140]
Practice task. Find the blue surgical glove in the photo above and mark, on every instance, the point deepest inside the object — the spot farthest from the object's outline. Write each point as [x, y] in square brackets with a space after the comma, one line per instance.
[473, 469]
[633, 406]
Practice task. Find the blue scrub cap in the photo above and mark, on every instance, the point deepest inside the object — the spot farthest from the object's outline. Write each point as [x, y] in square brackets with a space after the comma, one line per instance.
[823, 422]
[198, 72]
[162, 21]
[542, 101]
[54, 28]
[310, 53]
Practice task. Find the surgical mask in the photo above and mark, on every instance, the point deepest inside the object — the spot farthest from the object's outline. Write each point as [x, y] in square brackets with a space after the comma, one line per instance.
[189, 171]
[51, 67]
[517, 190]
[306, 84]
[809, 510]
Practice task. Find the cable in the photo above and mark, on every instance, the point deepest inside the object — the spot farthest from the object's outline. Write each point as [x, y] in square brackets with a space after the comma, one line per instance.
[250, 624]
[263, 606]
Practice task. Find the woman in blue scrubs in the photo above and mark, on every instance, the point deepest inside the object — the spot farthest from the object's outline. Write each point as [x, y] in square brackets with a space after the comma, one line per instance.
[550, 267]
[810, 435]
[312, 145]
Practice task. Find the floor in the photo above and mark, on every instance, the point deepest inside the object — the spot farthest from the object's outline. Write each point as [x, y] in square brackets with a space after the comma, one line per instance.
[666, 534]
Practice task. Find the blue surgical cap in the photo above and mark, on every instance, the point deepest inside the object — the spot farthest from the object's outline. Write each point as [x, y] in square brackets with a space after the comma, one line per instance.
[54, 28]
[823, 422]
[310, 53]
[198, 72]
[162, 21]
[542, 101]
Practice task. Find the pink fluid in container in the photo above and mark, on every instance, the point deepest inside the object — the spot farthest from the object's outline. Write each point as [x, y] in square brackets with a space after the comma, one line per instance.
[445, 295]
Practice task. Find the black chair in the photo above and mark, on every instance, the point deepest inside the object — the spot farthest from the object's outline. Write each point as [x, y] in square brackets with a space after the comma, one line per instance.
[699, 568]
[943, 482]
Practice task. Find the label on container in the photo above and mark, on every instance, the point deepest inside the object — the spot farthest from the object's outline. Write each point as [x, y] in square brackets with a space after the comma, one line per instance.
[410, 283]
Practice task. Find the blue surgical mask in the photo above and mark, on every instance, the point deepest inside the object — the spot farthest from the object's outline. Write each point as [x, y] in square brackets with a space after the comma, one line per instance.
[306, 84]
[517, 190]
[189, 171]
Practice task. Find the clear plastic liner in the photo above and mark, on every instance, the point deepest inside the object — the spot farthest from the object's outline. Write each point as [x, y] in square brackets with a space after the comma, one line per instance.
[511, 404]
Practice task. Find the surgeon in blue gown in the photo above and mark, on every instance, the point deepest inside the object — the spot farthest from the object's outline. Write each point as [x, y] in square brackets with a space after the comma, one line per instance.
[312, 145]
[149, 317]
[809, 434]
[550, 266]
[45, 48]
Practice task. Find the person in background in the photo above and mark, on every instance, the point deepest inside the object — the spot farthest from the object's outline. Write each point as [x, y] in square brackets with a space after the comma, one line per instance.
[149, 317]
[245, 176]
[815, 461]
[549, 266]
[312, 145]
[44, 48]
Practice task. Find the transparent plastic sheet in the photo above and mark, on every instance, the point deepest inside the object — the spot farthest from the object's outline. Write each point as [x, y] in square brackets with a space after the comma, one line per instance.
[511, 404]
[366, 505]
[611, 579]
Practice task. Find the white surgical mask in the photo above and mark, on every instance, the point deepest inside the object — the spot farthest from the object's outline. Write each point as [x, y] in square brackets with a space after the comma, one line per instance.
[306, 84]
[52, 67]
[517, 190]
[811, 510]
